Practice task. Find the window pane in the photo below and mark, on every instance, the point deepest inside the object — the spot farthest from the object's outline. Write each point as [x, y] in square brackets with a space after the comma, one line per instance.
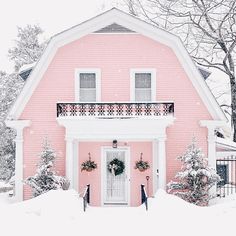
[142, 95]
[88, 95]
[87, 80]
[142, 80]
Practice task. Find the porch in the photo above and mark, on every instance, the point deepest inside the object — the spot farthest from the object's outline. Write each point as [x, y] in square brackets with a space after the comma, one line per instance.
[134, 125]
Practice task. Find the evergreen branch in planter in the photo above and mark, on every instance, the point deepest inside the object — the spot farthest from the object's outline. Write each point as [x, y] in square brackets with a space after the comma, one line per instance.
[141, 165]
[88, 165]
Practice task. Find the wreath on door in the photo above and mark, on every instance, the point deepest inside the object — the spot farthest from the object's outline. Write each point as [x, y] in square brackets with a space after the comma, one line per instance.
[116, 167]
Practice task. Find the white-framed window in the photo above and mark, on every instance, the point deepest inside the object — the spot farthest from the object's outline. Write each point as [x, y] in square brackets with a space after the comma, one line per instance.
[87, 85]
[143, 85]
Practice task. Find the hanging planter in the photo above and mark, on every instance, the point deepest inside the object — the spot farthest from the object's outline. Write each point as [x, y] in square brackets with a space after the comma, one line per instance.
[141, 165]
[88, 165]
[116, 167]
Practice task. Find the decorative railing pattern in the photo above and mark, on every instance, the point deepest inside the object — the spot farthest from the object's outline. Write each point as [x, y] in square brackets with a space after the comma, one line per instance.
[226, 169]
[115, 109]
[86, 197]
[144, 197]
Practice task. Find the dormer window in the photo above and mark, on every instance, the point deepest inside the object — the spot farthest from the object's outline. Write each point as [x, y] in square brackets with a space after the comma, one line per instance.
[87, 85]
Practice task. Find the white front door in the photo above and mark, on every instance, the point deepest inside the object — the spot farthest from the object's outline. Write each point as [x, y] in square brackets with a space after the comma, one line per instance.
[115, 185]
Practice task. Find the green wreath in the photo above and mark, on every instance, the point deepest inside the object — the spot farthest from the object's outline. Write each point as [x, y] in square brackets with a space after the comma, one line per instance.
[116, 167]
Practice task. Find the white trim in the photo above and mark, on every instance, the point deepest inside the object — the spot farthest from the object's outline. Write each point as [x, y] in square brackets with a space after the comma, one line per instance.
[19, 126]
[134, 129]
[97, 73]
[115, 33]
[103, 171]
[154, 166]
[133, 71]
[157, 101]
[70, 161]
[161, 150]
[225, 154]
[225, 143]
[212, 123]
[76, 165]
[117, 16]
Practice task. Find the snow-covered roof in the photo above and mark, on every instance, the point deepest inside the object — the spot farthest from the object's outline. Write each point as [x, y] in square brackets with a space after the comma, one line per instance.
[25, 70]
[134, 24]
[205, 73]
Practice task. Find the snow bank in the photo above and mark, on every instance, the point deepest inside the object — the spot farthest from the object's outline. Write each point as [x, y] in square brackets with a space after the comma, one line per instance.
[5, 187]
[55, 203]
[60, 213]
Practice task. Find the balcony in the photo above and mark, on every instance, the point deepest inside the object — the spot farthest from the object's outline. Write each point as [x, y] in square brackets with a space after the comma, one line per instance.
[111, 110]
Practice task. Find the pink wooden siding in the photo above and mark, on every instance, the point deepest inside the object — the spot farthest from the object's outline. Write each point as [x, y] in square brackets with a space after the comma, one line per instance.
[115, 55]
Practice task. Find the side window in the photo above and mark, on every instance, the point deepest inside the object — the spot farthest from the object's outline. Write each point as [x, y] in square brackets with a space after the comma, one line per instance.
[87, 87]
[143, 87]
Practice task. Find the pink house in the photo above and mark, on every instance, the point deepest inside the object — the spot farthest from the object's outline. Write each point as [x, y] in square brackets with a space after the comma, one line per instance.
[118, 88]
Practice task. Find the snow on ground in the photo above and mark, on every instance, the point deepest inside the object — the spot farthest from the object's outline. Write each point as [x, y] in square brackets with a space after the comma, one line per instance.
[61, 213]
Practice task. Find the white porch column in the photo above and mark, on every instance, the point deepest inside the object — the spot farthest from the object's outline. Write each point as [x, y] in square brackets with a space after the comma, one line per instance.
[161, 150]
[211, 125]
[69, 160]
[76, 166]
[154, 166]
[211, 139]
[19, 126]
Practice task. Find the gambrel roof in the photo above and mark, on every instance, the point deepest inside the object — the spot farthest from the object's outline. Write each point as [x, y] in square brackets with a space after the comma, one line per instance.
[117, 20]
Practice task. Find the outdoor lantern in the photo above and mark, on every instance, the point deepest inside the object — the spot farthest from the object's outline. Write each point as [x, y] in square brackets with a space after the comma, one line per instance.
[114, 143]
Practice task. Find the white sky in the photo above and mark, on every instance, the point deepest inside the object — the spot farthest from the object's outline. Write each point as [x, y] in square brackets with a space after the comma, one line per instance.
[52, 16]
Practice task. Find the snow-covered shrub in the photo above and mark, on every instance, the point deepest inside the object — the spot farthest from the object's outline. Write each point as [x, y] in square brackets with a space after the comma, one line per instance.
[46, 178]
[195, 178]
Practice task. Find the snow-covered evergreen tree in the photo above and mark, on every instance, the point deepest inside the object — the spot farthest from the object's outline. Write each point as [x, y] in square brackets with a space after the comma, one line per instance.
[46, 178]
[10, 86]
[195, 178]
[28, 47]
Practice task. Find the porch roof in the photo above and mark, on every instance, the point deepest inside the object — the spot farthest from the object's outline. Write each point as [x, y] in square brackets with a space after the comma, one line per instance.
[225, 145]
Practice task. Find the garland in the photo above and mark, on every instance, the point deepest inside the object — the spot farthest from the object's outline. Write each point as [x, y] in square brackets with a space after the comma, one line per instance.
[116, 167]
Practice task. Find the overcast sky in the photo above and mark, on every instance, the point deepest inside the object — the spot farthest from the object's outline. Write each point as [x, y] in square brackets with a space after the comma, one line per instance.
[52, 16]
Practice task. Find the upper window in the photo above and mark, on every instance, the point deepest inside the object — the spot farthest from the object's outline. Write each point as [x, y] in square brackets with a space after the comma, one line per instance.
[143, 89]
[87, 85]
[143, 86]
[87, 90]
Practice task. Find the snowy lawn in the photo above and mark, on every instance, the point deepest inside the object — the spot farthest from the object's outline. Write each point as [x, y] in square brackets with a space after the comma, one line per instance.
[60, 213]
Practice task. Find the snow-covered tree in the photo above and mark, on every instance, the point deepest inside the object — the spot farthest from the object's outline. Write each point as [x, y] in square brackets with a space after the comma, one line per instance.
[10, 86]
[195, 179]
[46, 178]
[28, 47]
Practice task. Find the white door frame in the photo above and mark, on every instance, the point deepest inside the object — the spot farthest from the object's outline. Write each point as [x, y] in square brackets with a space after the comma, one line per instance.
[103, 171]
